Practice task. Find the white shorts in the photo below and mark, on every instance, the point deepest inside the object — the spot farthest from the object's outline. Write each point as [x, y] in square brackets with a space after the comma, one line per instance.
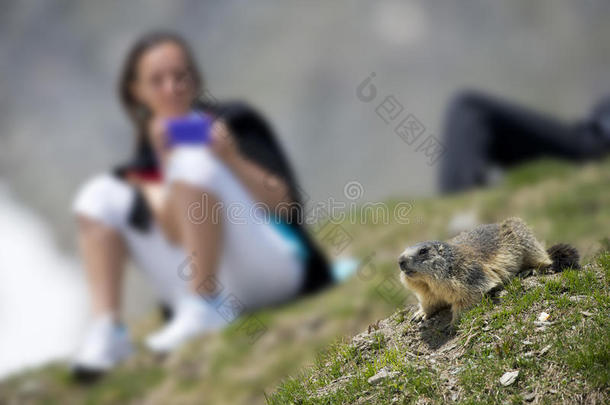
[258, 266]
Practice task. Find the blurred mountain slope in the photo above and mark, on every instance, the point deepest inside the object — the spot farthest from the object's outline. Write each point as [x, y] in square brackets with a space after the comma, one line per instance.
[560, 202]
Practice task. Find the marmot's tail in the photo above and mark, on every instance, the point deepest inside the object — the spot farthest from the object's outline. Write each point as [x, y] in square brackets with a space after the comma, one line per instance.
[563, 256]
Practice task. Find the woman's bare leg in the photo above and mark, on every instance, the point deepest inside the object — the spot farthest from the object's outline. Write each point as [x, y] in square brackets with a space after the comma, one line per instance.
[103, 251]
[200, 235]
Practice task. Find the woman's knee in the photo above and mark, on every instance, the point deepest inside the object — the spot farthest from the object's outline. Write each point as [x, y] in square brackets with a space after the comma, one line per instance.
[104, 198]
[196, 166]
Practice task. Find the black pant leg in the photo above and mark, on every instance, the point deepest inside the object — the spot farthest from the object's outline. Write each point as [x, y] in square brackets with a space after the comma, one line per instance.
[466, 138]
[518, 134]
[482, 131]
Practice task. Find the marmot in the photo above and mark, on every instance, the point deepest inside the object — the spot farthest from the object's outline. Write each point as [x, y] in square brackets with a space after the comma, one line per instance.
[458, 272]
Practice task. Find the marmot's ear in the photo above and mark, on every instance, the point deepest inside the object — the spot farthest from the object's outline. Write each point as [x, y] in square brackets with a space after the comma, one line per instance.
[441, 248]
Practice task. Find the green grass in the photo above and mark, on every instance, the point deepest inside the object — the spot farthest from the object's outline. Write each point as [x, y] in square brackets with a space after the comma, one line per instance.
[493, 337]
[414, 380]
[530, 174]
[578, 344]
[306, 355]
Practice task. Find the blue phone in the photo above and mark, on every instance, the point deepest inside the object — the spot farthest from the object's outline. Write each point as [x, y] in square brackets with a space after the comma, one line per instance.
[192, 129]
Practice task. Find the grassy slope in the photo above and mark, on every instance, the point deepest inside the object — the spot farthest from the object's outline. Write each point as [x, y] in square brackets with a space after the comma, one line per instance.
[566, 359]
[560, 203]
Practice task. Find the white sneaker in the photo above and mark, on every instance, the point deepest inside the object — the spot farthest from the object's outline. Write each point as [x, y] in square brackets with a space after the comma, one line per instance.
[193, 317]
[106, 344]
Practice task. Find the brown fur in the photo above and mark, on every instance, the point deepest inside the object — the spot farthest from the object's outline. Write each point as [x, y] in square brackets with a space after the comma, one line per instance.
[472, 263]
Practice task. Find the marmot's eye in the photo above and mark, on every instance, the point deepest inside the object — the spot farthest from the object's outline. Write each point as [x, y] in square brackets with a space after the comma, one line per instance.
[423, 251]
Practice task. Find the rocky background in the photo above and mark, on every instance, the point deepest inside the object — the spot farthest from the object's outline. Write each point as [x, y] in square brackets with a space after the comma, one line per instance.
[298, 62]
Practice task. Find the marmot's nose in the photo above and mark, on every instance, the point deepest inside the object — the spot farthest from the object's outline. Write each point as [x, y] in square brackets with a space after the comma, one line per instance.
[403, 262]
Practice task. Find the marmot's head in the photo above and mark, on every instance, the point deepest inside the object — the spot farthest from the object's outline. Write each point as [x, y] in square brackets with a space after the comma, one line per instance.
[427, 259]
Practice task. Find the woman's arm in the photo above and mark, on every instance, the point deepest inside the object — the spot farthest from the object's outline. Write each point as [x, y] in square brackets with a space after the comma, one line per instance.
[262, 184]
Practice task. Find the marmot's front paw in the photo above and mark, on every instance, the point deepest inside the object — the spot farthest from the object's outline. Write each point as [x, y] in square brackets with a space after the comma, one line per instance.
[419, 316]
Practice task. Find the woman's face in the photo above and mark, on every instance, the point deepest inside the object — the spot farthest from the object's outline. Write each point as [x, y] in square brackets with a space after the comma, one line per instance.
[163, 80]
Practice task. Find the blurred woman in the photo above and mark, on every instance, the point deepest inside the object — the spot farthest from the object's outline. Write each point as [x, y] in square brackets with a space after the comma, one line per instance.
[169, 209]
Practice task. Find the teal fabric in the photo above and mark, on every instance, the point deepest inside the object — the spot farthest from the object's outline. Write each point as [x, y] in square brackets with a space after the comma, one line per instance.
[341, 269]
[292, 237]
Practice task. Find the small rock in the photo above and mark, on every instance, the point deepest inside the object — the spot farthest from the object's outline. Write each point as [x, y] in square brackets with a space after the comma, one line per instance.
[544, 350]
[382, 375]
[509, 378]
[527, 342]
[455, 370]
[587, 313]
[364, 341]
[447, 348]
[529, 397]
[543, 317]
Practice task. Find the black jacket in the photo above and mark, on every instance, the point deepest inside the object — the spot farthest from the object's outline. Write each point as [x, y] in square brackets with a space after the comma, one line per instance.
[257, 142]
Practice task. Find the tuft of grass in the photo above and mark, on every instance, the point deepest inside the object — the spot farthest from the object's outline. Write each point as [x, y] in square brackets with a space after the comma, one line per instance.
[589, 354]
[533, 172]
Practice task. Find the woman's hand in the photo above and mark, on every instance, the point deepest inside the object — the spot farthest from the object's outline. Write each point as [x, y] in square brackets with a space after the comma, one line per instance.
[223, 144]
[263, 185]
